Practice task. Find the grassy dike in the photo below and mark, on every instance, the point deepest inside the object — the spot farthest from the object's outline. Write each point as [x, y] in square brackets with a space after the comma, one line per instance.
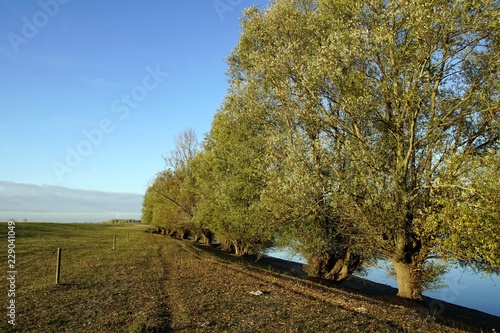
[152, 283]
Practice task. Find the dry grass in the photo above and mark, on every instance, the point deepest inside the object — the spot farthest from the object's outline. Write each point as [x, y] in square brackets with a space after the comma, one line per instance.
[101, 290]
[156, 284]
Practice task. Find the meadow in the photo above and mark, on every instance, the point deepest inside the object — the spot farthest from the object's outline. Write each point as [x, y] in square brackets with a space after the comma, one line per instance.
[152, 283]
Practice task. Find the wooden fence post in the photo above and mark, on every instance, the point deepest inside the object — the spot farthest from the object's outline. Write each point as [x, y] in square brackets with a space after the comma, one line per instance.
[114, 242]
[58, 268]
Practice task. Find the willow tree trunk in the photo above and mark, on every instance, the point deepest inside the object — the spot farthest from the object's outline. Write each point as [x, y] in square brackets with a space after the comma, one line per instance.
[333, 267]
[241, 248]
[409, 279]
[207, 237]
[408, 258]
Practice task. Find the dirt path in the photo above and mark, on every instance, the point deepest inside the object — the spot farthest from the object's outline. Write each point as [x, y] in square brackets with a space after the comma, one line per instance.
[209, 294]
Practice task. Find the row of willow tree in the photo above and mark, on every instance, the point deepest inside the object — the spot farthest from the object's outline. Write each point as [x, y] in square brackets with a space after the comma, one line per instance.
[352, 131]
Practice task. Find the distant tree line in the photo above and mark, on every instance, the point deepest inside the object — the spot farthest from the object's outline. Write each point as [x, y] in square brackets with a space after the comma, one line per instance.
[123, 221]
[351, 131]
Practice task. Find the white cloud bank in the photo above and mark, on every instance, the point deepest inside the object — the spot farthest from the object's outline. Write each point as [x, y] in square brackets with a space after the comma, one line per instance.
[61, 204]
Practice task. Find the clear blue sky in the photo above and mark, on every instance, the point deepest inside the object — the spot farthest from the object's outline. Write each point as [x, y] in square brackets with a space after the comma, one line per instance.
[93, 93]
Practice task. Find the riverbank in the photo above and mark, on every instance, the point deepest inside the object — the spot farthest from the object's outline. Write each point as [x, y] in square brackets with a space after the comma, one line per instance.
[375, 295]
[152, 283]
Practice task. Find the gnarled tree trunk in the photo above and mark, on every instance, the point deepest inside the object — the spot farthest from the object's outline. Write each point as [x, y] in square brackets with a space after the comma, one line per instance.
[241, 248]
[409, 279]
[408, 261]
[207, 237]
[335, 267]
[226, 245]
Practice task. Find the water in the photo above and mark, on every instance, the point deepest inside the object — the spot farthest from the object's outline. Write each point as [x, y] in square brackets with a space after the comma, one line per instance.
[465, 288]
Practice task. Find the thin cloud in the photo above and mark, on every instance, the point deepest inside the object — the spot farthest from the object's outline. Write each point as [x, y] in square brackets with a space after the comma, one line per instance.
[31, 198]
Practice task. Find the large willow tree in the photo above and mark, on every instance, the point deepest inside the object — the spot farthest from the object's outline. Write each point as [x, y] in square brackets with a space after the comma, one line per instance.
[390, 111]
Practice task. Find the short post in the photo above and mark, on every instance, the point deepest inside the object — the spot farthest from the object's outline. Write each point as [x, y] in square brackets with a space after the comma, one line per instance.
[114, 242]
[127, 236]
[58, 268]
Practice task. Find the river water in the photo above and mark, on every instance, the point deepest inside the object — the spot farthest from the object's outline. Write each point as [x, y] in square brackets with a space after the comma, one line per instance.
[464, 287]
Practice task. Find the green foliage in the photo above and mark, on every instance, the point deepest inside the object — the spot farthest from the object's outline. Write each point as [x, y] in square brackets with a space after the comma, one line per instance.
[270, 60]
[169, 202]
[370, 102]
[231, 179]
[469, 211]
[354, 130]
[173, 209]
[148, 204]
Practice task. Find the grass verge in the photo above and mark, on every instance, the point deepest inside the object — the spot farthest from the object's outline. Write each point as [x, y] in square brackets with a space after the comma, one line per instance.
[100, 290]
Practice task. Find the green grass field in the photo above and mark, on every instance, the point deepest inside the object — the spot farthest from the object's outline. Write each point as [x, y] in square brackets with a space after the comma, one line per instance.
[152, 283]
[100, 289]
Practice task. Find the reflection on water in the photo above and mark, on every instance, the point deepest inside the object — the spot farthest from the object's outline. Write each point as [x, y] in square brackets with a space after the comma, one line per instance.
[476, 291]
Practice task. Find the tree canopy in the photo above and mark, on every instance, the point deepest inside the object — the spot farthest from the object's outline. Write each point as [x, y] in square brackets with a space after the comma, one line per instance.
[362, 129]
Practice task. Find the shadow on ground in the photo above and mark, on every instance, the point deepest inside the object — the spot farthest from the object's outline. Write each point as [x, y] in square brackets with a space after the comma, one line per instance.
[451, 315]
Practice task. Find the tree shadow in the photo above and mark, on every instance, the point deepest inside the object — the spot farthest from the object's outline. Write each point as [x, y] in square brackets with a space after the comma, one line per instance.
[429, 309]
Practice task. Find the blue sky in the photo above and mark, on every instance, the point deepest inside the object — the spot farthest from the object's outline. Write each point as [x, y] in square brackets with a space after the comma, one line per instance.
[93, 93]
